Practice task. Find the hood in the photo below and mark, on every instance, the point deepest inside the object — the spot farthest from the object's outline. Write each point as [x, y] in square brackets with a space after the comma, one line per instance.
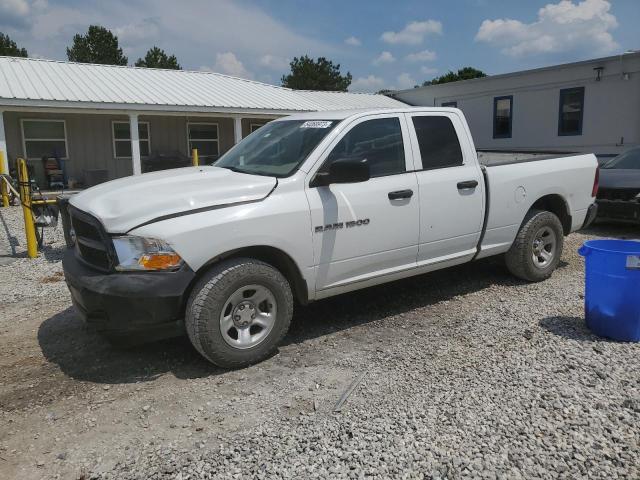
[619, 178]
[128, 202]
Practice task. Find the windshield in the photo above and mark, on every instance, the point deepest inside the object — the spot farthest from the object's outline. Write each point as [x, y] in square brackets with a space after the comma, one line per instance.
[278, 148]
[629, 160]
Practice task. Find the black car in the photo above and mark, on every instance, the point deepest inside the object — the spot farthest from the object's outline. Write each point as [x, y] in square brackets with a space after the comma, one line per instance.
[619, 193]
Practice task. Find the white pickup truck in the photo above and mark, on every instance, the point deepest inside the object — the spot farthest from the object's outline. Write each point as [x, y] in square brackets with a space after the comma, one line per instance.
[306, 207]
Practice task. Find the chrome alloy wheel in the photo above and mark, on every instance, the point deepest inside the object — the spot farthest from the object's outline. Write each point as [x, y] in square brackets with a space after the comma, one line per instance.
[248, 316]
[544, 247]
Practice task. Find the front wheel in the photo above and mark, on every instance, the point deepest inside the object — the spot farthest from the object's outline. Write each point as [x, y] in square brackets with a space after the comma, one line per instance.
[536, 251]
[239, 312]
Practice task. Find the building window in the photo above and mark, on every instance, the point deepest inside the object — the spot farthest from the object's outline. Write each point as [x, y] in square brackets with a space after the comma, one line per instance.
[453, 104]
[438, 142]
[571, 111]
[44, 138]
[204, 137]
[502, 116]
[255, 126]
[122, 139]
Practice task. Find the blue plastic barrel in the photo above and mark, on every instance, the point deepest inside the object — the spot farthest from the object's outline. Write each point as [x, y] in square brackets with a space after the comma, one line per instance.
[612, 290]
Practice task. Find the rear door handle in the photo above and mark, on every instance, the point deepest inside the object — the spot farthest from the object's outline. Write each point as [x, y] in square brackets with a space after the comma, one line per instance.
[467, 184]
[397, 195]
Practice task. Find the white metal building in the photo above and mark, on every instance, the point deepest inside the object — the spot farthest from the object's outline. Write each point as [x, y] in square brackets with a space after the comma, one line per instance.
[589, 106]
[110, 119]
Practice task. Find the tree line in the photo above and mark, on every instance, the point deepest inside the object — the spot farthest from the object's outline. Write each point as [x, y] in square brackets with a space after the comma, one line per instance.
[99, 45]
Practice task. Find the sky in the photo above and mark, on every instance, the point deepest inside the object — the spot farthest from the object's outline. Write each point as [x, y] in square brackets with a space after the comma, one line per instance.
[384, 44]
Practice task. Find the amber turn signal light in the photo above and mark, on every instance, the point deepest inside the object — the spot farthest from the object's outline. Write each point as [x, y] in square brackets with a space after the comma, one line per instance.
[160, 261]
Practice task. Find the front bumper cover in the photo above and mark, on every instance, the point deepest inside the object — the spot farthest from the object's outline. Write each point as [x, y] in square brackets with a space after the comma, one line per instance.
[619, 210]
[123, 303]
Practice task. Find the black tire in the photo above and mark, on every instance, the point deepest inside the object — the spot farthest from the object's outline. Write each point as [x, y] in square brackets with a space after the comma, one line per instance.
[520, 257]
[209, 297]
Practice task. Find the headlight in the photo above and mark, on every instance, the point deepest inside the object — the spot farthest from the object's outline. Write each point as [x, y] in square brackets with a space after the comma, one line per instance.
[139, 253]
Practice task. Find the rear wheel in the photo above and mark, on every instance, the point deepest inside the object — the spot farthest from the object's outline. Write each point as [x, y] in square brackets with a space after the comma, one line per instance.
[537, 249]
[239, 312]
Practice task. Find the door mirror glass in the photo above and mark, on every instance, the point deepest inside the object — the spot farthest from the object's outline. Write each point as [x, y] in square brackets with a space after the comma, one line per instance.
[349, 171]
[343, 171]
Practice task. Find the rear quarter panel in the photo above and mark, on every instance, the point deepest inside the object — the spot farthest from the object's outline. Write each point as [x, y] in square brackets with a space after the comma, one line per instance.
[514, 188]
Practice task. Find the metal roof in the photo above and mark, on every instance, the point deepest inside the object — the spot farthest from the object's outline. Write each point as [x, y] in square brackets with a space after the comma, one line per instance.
[619, 57]
[48, 83]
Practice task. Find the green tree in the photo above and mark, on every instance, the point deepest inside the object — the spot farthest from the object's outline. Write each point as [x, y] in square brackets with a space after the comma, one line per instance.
[157, 58]
[465, 73]
[9, 48]
[98, 45]
[321, 74]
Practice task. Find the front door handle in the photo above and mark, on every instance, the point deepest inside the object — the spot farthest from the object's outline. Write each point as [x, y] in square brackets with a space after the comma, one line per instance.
[467, 184]
[397, 195]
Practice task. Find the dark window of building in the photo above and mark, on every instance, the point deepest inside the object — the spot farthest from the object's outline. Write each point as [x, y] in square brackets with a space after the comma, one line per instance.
[571, 111]
[378, 142]
[122, 139]
[438, 142]
[453, 104]
[204, 137]
[502, 116]
[44, 138]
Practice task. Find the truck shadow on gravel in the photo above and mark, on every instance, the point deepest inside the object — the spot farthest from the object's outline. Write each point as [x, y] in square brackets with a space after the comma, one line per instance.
[83, 354]
[395, 298]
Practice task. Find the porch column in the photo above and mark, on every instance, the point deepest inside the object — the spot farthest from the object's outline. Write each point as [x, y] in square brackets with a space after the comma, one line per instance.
[135, 144]
[3, 146]
[237, 129]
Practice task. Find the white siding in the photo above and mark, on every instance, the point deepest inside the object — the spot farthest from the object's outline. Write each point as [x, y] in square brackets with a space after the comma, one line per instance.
[611, 105]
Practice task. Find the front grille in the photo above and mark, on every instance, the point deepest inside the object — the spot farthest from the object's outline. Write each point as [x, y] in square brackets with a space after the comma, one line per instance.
[618, 194]
[95, 256]
[86, 230]
[92, 242]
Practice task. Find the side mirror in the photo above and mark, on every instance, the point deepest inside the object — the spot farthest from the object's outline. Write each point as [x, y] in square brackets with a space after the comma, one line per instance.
[343, 171]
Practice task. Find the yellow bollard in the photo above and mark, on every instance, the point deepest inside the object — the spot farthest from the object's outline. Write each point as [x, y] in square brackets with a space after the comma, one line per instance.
[4, 191]
[194, 157]
[25, 199]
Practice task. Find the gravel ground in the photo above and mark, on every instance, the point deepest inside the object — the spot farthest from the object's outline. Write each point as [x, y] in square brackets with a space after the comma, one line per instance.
[467, 373]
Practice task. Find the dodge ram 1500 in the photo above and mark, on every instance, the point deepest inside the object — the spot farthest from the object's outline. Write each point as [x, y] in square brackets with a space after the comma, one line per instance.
[310, 206]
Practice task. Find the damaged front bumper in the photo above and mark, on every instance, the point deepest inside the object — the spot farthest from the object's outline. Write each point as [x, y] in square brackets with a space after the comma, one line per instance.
[121, 304]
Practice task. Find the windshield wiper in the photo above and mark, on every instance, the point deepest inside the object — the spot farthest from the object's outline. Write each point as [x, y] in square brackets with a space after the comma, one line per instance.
[233, 169]
[247, 172]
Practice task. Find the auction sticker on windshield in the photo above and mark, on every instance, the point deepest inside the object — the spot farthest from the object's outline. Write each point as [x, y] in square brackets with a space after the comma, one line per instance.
[316, 124]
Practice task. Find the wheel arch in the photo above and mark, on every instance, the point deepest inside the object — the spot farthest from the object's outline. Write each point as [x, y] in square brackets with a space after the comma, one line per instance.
[267, 254]
[557, 205]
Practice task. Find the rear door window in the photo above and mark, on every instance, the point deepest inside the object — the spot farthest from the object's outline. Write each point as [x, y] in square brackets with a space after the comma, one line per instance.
[378, 142]
[438, 142]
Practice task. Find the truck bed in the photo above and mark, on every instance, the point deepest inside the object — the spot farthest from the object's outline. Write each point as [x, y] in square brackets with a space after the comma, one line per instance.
[492, 158]
[514, 180]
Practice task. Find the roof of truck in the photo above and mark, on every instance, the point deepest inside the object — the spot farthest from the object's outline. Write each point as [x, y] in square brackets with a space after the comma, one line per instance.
[343, 114]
